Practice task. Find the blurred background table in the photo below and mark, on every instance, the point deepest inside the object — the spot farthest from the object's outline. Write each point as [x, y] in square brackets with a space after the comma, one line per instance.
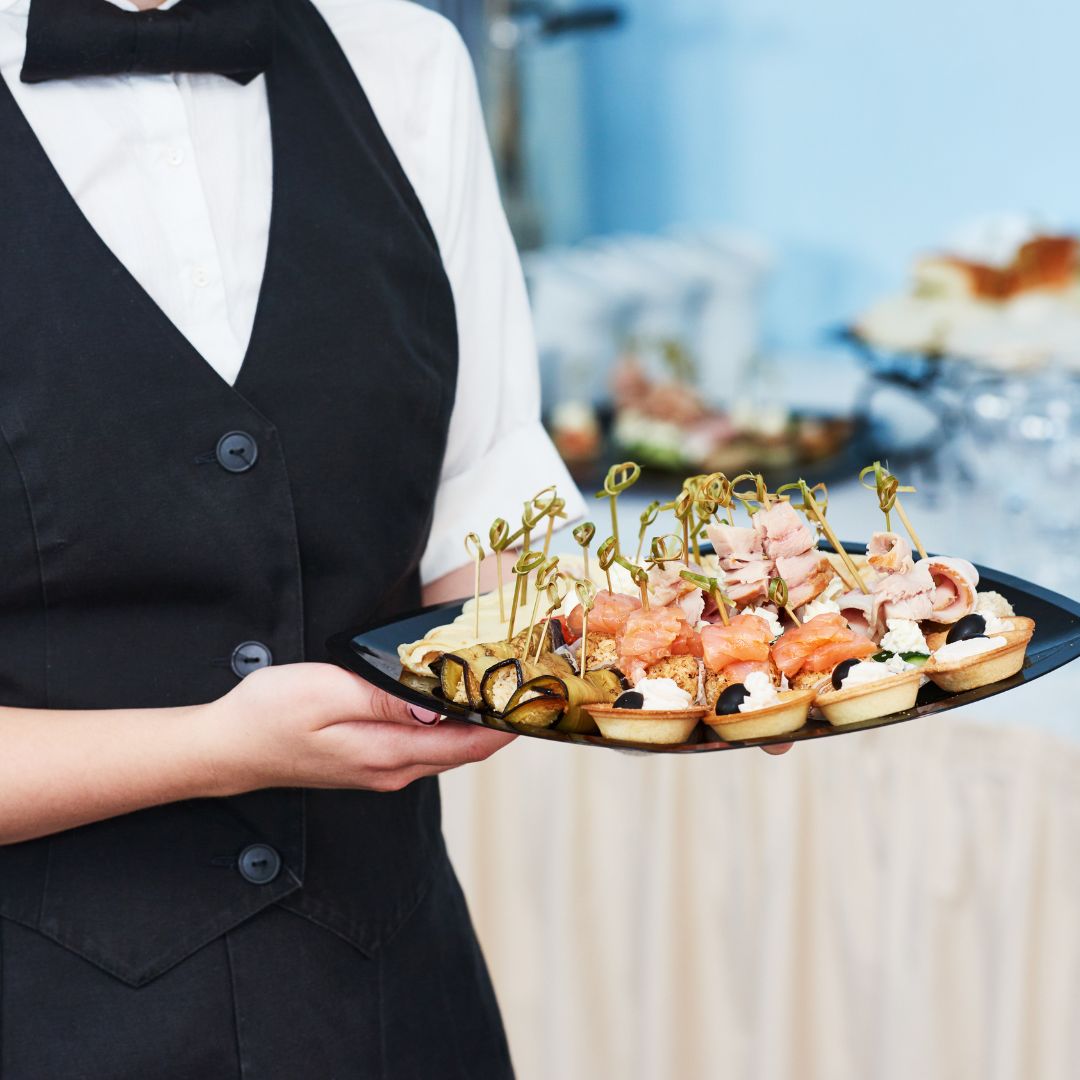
[713, 190]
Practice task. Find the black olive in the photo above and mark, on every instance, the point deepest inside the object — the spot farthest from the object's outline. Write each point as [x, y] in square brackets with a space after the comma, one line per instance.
[730, 700]
[970, 626]
[631, 699]
[840, 672]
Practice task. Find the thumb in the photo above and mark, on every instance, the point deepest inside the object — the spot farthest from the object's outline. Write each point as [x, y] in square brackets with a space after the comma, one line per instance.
[385, 707]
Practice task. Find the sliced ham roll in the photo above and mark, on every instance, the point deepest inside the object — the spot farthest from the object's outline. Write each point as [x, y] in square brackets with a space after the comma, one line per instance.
[889, 553]
[667, 585]
[783, 533]
[795, 569]
[750, 582]
[860, 610]
[954, 588]
[908, 595]
[733, 542]
[812, 585]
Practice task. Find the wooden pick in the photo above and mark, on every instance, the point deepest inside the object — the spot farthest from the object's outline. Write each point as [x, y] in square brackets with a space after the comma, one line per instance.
[586, 594]
[475, 550]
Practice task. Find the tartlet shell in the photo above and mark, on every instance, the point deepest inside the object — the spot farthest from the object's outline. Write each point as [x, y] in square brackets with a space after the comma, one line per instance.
[666, 726]
[868, 701]
[970, 672]
[787, 715]
[936, 637]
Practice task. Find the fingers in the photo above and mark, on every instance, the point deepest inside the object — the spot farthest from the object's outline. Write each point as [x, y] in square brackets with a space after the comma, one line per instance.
[393, 747]
[778, 748]
[362, 701]
[451, 744]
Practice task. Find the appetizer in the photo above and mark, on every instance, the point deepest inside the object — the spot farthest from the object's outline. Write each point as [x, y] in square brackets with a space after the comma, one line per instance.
[752, 641]
[657, 710]
[861, 690]
[756, 709]
[979, 650]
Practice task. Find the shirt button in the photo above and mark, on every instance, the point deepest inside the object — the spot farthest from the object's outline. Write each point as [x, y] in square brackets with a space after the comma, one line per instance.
[175, 156]
[249, 656]
[259, 864]
[200, 277]
[236, 451]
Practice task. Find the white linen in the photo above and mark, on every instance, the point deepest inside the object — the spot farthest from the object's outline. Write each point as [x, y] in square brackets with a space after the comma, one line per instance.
[885, 905]
[175, 174]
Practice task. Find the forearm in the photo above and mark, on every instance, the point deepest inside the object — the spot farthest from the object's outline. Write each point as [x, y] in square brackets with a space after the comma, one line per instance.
[462, 581]
[60, 769]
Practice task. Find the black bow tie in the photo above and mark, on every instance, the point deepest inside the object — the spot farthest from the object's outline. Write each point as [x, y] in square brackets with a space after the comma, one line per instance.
[67, 39]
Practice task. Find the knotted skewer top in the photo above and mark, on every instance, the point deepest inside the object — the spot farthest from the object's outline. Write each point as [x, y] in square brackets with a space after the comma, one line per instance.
[888, 489]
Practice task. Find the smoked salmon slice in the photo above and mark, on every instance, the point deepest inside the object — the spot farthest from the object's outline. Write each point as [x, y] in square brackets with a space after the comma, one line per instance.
[608, 614]
[819, 644]
[746, 638]
[648, 636]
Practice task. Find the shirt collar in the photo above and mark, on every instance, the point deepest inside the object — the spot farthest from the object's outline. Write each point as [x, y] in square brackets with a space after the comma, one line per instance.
[22, 7]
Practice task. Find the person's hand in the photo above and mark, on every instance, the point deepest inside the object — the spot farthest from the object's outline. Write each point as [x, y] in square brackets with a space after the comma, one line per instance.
[317, 725]
[778, 748]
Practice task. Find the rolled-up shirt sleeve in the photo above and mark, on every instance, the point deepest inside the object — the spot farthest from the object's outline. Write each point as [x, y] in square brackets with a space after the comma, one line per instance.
[419, 78]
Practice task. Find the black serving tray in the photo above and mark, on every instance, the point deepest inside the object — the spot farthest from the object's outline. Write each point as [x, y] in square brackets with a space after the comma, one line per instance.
[372, 653]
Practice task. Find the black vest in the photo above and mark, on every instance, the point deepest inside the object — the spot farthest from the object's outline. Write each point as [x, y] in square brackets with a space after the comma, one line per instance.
[132, 563]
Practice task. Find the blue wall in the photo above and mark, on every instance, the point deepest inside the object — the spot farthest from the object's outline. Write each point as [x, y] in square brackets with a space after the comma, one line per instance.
[849, 134]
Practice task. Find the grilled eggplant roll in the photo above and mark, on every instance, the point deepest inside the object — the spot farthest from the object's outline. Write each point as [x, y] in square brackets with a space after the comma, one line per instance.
[461, 673]
[540, 702]
[566, 696]
[502, 681]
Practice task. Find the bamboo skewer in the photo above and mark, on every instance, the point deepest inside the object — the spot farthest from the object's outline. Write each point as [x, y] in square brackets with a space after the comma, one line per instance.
[639, 577]
[712, 586]
[555, 601]
[475, 550]
[545, 574]
[647, 518]
[619, 478]
[499, 539]
[526, 563]
[583, 535]
[605, 556]
[556, 510]
[888, 489]
[811, 507]
[586, 594]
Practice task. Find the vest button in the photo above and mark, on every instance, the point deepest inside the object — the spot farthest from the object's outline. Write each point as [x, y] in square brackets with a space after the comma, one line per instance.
[259, 864]
[249, 656]
[237, 451]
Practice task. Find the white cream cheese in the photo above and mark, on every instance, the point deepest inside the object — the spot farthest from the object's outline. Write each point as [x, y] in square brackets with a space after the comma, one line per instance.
[775, 627]
[904, 636]
[662, 694]
[993, 603]
[994, 625]
[961, 650]
[871, 671]
[760, 692]
[825, 602]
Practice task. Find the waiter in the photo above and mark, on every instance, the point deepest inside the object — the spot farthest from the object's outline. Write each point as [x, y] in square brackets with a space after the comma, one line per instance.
[264, 360]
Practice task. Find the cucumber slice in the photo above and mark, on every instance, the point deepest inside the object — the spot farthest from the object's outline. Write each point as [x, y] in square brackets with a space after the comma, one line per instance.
[916, 658]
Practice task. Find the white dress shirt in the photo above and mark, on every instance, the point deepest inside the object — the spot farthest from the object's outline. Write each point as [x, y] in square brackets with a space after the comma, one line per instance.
[174, 172]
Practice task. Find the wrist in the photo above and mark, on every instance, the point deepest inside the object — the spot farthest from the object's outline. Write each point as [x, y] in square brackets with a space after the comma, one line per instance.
[220, 765]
